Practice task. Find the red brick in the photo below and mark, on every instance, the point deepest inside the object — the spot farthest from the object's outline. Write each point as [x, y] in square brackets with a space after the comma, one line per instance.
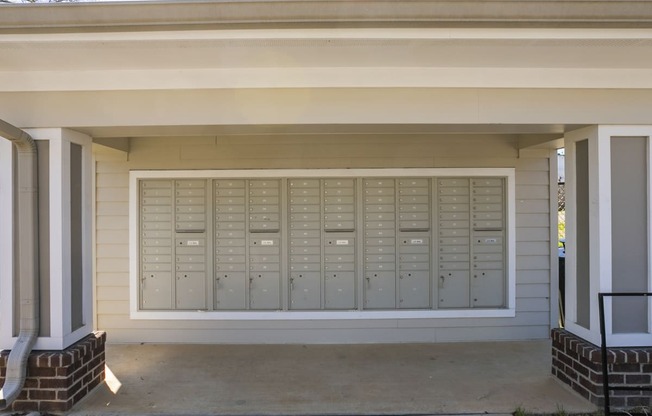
[94, 383]
[613, 378]
[63, 371]
[41, 372]
[24, 405]
[641, 379]
[43, 394]
[581, 390]
[580, 368]
[587, 384]
[79, 374]
[632, 356]
[590, 364]
[66, 359]
[23, 395]
[638, 401]
[572, 374]
[31, 383]
[626, 368]
[643, 356]
[94, 362]
[625, 393]
[562, 377]
[646, 368]
[55, 360]
[63, 395]
[32, 360]
[99, 370]
[565, 359]
[613, 401]
[42, 360]
[55, 406]
[72, 390]
[53, 383]
[595, 356]
[80, 395]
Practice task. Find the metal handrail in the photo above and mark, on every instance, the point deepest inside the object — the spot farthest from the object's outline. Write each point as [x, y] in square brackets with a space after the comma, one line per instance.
[603, 350]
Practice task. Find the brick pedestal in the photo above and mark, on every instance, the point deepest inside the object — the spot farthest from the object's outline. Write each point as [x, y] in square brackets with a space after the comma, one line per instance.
[56, 380]
[578, 363]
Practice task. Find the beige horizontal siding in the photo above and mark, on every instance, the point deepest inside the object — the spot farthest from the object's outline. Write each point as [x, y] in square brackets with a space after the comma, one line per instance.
[358, 151]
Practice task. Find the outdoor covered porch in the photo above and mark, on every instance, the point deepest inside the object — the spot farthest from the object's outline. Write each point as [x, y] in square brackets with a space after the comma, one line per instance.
[454, 378]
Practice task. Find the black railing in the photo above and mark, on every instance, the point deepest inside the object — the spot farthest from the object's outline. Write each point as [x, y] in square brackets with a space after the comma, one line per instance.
[603, 340]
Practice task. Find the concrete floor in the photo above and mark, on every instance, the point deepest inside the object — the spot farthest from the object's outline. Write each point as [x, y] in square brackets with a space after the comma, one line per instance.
[422, 379]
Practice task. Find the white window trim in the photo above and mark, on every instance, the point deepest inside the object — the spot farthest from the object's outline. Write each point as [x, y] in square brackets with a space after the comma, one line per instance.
[508, 312]
[600, 226]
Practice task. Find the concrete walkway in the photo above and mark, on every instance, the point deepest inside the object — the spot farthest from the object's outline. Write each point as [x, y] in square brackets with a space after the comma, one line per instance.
[330, 379]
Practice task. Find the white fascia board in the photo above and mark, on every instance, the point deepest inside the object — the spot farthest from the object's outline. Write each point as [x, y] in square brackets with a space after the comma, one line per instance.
[340, 33]
[304, 77]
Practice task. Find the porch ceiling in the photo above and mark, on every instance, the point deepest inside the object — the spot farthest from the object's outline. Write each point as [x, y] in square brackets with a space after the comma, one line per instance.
[524, 136]
[540, 131]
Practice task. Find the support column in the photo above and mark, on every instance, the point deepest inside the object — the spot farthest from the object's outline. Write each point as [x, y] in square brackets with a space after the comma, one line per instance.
[68, 358]
[608, 249]
[609, 232]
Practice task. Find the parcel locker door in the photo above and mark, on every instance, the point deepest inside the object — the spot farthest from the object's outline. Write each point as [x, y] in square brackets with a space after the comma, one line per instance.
[305, 290]
[156, 290]
[264, 292]
[230, 291]
[339, 290]
[488, 288]
[453, 289]
[191, 290]
[414, 289]
[380, 289]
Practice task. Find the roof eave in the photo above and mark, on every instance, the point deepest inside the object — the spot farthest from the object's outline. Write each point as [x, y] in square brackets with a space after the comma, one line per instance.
[323, 13]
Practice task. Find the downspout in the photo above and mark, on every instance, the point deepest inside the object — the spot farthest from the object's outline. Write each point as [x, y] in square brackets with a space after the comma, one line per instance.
[27, 261]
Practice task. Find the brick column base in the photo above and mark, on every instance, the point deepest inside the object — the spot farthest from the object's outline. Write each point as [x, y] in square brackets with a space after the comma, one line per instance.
[578, 363]
[56, 380]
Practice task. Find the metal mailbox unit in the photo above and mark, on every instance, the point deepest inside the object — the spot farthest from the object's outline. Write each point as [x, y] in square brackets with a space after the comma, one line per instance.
[362, 243]
[173, 214]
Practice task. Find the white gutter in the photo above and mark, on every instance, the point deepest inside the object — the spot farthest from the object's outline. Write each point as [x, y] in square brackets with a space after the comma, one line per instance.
[27, 261]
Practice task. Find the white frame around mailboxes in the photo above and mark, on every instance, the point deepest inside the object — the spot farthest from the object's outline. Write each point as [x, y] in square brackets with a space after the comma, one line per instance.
[508, 312]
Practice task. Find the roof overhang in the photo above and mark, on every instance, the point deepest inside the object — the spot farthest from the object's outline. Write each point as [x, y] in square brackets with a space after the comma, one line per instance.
[214, 67]
[329, 13]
